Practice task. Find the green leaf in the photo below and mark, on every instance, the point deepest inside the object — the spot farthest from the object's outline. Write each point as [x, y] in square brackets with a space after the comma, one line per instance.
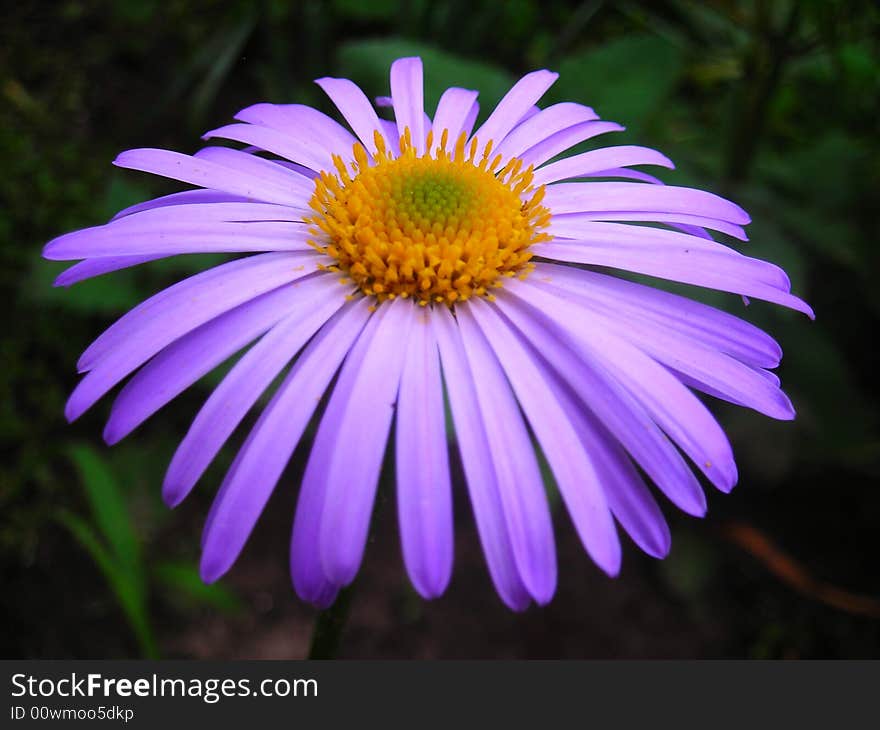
[125, 584]
[367, 63]
[108, 506]
[185, 577]
[624, 80]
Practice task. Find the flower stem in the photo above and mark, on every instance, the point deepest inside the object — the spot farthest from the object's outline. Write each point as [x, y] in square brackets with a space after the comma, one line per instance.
[329, 627]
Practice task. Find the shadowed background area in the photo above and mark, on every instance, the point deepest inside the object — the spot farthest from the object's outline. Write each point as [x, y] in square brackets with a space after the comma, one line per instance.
[774, 104]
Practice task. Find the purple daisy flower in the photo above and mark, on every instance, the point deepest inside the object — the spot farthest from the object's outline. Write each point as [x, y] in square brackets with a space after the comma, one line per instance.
[419, 257]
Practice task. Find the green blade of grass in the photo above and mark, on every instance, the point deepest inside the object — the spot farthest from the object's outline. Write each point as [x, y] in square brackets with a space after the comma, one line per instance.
[127, 588]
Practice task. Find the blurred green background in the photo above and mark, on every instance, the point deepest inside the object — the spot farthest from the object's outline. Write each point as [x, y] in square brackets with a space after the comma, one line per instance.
[772, 103]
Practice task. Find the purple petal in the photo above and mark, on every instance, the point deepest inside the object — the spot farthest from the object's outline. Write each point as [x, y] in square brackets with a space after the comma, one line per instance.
[407, 94]
[520, 486]
[568, 229]
[452, 115]
[264, 455]
[223, 212]
[253, 373]
[307, 572]
[597, 161]
[612, 404]
[622, 172]
[592, 196]
[357, 110]
[208, 174]
[480, 475]
[201, 297]
[143, 332]
[514, 106]
[719, 371]
[671, 312]
[680, 219]
[553, 145]
[542, 125]
[529, 113]
[628, 496]
[389, 130]
[169, 237]
[96, 267]
[424, 498]
[712, 269]
[471, 119]
[187, 197]
[186, 360]
[299, 120]
[294, 148]
[360, 433]
[270, 171]
[669, 403]
[572, 467]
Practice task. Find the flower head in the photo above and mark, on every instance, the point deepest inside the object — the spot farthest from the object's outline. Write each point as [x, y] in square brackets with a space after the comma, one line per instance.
[418, 257]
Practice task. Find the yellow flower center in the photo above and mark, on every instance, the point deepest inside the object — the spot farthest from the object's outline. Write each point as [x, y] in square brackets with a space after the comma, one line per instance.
[439, 227]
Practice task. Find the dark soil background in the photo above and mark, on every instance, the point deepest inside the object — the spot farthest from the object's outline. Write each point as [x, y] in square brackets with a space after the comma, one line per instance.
[772, 103]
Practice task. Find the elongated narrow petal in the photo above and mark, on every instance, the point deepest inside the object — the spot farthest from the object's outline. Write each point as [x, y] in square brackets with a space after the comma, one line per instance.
[309, 578]
[210, 175]
[577, 197]
[297, 120]
[566, 225]
[473, 446]
[451, 116]
[717, 270]
[510, 449]
[620, 234]
[548, 148]
[626, 174]
[91, 268]
[597, 161]
[354, 105]
[471, 119]
[407, 95]
[628, 497]
[516, 102]
[632, 301]
[279, 143]
[250, 482]
[543, 125]
[241, 387]
[352, 472]
[186, 360]
[207, 212]
[424, 497]
[615, 406]
[199, 298]
[716, 369]
[169, 238]
[157, 333]
[571, 465]
[187, 197]
[671, 405]
[272, 172]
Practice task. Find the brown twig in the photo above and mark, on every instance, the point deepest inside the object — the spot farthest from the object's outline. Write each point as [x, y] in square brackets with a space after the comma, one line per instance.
[789, 571]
